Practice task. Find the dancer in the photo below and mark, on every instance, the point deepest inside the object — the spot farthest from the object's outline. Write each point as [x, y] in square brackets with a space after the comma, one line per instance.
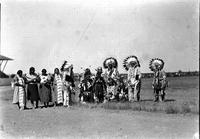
[132, 65]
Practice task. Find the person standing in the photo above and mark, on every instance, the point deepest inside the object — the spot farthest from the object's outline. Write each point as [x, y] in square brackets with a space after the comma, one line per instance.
[45, 88]
[57, 94]
[85, 86]
[99, 86]
[160, 82]
[111, 77]
[131, 64]
[68, 82]
[32, 88]
[19, 90]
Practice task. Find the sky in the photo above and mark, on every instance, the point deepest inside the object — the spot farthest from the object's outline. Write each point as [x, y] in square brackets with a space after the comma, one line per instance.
[44, 33]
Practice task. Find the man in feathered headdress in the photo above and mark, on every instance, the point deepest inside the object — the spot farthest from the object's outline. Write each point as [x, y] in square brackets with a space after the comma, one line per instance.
[111, 76]
[159, 83]
[132, 65]
[68, 82]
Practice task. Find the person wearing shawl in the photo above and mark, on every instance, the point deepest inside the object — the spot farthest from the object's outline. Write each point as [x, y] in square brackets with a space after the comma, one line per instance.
[159, 83]
[57, 94]
[111, 77]
[99, 86]
[19, 90]
[45, 88]
[32, 88]
[86, 87]
[68, 82]
[132, 65]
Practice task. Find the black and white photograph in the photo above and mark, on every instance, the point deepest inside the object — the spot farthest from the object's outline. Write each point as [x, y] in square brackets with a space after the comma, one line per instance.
[99, 69]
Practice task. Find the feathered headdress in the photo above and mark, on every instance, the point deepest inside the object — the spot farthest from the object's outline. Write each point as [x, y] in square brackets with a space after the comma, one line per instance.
[156, 64]
[130, 59]
[110, 60]
[66, 66]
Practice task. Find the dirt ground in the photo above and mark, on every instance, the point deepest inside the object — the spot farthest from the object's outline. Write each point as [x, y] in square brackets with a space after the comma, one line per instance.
[80, 122]
[83, 122]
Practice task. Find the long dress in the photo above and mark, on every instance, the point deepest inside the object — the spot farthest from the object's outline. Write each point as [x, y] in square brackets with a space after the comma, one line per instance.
[57, 95]
[15, 95]
[45, 89]
[32, 89]
[19, 91]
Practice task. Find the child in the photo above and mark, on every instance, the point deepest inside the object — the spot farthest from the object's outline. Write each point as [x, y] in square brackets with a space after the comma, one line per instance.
[99, 86]
[86, 87]
[122, 90]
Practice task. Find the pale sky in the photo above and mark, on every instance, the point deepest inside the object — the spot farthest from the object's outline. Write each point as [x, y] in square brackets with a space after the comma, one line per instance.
[44, 33]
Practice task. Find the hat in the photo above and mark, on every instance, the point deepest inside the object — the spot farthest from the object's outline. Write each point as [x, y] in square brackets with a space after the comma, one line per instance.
[110, 61]
[156, 64]
[130, 59]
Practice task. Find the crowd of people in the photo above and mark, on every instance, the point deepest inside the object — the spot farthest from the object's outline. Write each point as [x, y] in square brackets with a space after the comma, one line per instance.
[58, 87]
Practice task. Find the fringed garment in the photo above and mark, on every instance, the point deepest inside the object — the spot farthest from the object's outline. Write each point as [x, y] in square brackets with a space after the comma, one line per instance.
[134, 83]
[111, 77]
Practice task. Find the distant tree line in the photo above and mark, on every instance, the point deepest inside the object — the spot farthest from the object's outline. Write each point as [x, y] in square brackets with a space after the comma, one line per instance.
[174, 74]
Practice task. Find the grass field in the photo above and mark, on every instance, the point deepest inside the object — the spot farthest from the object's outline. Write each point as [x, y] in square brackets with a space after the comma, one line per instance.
[178, 117]
[182, 97]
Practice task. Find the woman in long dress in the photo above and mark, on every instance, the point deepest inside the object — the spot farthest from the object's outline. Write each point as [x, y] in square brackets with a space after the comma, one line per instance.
[45, 88]
[19, 90]
[32, 88]
[57, 95]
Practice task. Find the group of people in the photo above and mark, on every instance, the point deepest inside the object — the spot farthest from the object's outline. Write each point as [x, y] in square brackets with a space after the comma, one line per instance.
[100, 88]
[44, 87]
[109, 85]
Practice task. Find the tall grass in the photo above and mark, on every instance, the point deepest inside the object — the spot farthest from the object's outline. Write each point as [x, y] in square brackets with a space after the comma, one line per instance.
[164, 107]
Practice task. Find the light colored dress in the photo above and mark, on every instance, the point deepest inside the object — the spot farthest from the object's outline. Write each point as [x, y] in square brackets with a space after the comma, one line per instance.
[57, 89]
[19, 91]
